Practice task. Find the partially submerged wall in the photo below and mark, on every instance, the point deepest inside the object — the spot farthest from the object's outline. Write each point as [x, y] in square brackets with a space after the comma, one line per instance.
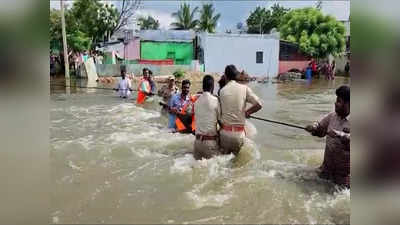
[114, 69]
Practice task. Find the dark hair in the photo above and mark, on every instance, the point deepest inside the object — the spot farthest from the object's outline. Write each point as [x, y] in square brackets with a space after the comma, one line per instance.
[145, 69]
[185, 82]
[343, 92]
[208, 83]
[150, 72]
[231, 72]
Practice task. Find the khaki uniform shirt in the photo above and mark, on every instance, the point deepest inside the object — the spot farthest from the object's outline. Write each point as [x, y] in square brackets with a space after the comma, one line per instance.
[233, 99]
[207, 111]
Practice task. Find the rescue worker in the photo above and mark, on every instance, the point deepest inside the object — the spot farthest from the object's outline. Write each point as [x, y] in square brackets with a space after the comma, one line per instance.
[207, 111]
[166, 92]
[336, 127]
[181, 105]
[144, 88]
[233, 98]
[124, 86]
[153, 88]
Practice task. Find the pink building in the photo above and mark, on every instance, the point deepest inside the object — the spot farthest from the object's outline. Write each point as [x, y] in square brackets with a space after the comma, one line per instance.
[291, 58]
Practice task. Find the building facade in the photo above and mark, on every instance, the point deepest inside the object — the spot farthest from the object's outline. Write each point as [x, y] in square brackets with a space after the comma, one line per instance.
[258, 55]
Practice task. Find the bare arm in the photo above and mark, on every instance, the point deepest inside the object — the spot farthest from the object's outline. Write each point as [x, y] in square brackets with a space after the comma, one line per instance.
[254, 100]
[320, 128]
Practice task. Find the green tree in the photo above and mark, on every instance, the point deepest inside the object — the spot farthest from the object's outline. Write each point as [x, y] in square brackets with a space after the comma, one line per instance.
[262, 20]
[55, 30]
[317, 35]
[208, 22]
[148, 23]
[185, 18]
[93, 18]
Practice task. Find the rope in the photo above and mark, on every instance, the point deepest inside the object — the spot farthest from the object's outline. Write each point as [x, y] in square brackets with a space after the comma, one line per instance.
[277, 122]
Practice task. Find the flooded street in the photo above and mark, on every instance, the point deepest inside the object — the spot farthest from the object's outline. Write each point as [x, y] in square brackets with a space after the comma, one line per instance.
[115, 162]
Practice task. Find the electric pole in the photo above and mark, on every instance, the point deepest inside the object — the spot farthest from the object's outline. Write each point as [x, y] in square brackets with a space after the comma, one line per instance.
[64, 34]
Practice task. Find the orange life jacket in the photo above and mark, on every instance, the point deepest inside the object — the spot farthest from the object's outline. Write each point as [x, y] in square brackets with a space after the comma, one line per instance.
[141, 97]
[179, 124]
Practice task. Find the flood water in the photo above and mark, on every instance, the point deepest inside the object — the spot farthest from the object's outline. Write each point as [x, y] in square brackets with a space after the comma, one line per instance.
[115, 162]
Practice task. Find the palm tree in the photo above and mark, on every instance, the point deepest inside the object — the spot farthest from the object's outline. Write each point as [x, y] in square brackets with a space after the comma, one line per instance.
[148, 23]
[185, 18]
[208, 22]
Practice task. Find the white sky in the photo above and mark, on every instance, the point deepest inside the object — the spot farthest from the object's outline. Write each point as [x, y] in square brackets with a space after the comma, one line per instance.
[232, 11]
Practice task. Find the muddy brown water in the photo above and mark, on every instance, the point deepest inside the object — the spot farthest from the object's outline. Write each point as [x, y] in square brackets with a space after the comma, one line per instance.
[115, 162]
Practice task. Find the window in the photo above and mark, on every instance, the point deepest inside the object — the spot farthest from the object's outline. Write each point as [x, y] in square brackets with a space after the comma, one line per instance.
[179, 61]
[259, 57]
[171, 55]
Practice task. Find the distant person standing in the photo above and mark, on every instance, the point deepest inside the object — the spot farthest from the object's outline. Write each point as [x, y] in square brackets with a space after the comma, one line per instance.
[314, 68]
[333, 70]
[308, 72]
[347, 68]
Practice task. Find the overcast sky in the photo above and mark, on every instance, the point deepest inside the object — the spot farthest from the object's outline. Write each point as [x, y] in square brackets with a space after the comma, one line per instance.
[231, 12]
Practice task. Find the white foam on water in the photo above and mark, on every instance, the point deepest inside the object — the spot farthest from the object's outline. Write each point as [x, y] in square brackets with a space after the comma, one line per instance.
[214, 166]
[86, 142]
[145, 153]
[208, 200]
[74, 167]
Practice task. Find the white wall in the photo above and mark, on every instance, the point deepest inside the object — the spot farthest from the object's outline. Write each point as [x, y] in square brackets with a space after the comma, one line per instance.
[240, 50]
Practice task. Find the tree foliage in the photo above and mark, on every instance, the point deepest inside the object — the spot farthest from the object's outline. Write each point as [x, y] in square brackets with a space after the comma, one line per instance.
[87, 23]
[93, 18]
[208, 21]
[185, 18]
[148, 23]
[55, 30]
[317, 35]
[262, 20]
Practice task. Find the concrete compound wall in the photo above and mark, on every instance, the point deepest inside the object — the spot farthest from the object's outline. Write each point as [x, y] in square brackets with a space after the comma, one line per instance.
[114, 69]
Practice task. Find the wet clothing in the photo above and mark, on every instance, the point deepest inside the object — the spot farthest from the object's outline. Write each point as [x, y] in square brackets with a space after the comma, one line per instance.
[144, 87]
[153, 86]
[178, 102]
[124, 87]
[336, 164]
[207, 111]
[166, 93]
[184, 106]
[233, 99]
[205, 148]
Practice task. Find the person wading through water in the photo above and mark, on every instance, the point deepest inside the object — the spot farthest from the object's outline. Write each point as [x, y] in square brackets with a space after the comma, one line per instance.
[182, 106]
[336, 127]
[207, 110]
[233, 98]
[124, 86]
[144, 88]
[166, 92]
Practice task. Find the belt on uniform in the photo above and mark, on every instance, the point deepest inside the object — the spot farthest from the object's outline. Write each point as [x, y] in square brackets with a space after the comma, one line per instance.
[233, 128]
[206, 137]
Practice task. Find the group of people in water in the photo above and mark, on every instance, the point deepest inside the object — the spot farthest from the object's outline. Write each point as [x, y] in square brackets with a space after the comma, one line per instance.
[218, 121]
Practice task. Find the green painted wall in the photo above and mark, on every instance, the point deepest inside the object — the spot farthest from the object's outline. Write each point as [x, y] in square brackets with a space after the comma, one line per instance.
[182, 53]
